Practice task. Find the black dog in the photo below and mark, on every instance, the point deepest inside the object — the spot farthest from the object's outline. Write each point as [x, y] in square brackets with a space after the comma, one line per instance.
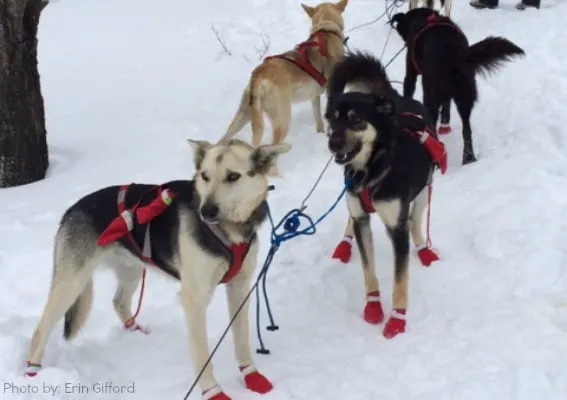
[440, 52]
[388, 152]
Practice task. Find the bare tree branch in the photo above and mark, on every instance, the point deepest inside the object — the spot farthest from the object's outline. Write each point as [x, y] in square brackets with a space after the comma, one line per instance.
[263, 49]
[221, 40]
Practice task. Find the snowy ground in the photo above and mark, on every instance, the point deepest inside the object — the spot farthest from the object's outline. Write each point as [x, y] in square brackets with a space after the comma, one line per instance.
[125, 82]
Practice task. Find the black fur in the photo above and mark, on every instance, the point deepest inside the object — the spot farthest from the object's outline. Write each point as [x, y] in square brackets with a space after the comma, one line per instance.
[99, 208]
[448, 65]
[399, 166]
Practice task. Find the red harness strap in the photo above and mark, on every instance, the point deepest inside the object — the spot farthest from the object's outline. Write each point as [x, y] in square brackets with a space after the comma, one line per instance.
[432, 21]
[428, 139]
[366, 202]
[238, 253]
[301, 59]
[123, 224]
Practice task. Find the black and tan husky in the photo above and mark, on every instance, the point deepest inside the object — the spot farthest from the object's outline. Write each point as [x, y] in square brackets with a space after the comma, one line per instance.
[388, 148]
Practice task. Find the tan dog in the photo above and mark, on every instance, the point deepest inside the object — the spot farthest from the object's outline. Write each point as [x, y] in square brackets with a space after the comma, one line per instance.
[292, 77]
[445, 4]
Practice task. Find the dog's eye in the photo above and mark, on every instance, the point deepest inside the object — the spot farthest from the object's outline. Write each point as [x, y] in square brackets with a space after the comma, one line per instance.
[233, 177]
[204, 177]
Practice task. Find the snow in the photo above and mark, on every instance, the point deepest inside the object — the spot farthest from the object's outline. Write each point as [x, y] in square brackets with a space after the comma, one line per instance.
[125, 83]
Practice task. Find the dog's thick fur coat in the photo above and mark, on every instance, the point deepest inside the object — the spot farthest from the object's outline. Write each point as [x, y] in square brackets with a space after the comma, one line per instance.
[277, 82]
[368, 136]
[229, 190]
[439, 50]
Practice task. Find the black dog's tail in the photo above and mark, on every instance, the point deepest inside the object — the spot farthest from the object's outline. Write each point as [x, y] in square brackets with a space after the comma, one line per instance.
[489, 54]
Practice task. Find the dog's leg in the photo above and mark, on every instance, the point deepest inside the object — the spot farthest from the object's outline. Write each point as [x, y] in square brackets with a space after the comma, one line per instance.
[71, 294]
[279, 114]
[464, 107]
[411, 77]
[373, 312]
[394, 215]
[444, 125]
[317, 116]
[343, 251]
[416, 218]
[128, 277]
[194, 308]
[413, 4]
[236, 291]
[431, 103]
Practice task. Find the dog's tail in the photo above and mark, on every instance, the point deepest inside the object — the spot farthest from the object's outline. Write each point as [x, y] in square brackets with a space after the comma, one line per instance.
[255, 104]
[76, 316]
[489, 54]
[242, 117]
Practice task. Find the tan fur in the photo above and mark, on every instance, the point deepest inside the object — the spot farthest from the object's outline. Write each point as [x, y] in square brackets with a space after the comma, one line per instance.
[199, 270]
[447, 8]
[276, 84]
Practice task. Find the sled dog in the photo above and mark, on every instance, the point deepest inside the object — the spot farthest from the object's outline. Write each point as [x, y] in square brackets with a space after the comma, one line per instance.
[446, 5]
[439, 50]
[200, 232]
[388, 149]
[295, 76]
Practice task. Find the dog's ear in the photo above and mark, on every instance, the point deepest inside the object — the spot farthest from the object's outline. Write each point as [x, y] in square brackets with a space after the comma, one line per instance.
[200, 148]
[309, 10]
[399, 23]
[341, 5]
[264, 158]
[384, 106]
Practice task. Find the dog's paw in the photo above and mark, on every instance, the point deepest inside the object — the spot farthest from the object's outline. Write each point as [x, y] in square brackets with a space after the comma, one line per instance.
[133, 326]
[255, 381]
[320, 127]
[444, 129]
[343, 251]
[215, 393]
[427, 256]
[31, 370]
[396, 324]
[373, 312]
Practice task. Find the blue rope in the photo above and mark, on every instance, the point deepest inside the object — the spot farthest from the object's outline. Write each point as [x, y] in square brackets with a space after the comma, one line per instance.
[291, 223]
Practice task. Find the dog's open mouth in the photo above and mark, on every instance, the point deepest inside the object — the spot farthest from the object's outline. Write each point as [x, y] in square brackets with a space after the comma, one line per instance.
[342, 158]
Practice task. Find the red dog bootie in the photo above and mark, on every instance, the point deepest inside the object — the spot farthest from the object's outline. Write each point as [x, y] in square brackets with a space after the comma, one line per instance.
[373, 312]
[31, 370]
[396, 324]
[427, 256]
[444, 129]
[255, 381]
[215, 393]
[343, 251]
[132, 326]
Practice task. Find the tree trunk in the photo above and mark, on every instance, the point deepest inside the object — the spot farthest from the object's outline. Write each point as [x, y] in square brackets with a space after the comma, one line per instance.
[23, 142]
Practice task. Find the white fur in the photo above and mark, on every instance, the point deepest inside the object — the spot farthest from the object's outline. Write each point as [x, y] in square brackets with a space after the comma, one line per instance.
[367, 137]
[199, 271]
[389, 211]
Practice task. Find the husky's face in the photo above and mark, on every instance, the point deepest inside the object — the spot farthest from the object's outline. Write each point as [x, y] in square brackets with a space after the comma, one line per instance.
[232, 178]
[354, 121]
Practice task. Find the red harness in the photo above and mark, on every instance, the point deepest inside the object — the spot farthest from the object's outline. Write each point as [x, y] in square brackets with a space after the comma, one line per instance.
[301, 58]
[141, 215]
[432, 22]
[428, 139]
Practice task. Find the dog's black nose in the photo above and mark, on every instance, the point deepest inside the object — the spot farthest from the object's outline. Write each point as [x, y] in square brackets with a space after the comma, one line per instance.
[336, 143]
[209, 211]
